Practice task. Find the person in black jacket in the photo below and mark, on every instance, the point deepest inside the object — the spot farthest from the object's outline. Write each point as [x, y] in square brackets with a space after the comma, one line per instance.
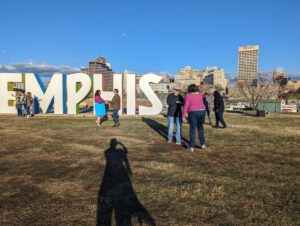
[207, 105]
[175, 102]
[219, 109]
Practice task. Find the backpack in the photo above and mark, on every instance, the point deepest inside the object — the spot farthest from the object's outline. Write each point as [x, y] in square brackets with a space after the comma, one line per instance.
[18, 103]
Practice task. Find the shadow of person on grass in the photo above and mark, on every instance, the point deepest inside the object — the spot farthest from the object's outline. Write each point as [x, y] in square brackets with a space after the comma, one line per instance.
[160, 129]
[116, 191]
[242, 113]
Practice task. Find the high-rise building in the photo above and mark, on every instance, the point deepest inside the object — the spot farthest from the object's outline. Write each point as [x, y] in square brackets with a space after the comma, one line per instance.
[215, 76]
[280, 78]
[248, 64]
[219, 78]
[100, 66]
[188, 76]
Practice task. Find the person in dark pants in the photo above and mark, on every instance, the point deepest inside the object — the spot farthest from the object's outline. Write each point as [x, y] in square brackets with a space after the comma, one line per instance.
[219, 109]
[19, 107]
[20, 103]
[115, 105]
[195, 107]
[175, 104]
[207, 105]
[28, 104]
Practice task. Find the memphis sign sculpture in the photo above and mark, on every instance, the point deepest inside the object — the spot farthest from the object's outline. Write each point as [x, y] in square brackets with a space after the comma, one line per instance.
[64, 96]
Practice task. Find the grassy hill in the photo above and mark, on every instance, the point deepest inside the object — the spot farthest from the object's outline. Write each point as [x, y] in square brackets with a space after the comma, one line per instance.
[64, 170]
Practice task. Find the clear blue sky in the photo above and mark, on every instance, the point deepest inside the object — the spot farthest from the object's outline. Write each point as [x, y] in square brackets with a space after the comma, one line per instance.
[151, 35]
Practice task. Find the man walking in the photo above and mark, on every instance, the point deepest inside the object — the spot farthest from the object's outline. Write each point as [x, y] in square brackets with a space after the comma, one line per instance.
[219, 109]
[175, 102]
[115, 105]
[207, 105]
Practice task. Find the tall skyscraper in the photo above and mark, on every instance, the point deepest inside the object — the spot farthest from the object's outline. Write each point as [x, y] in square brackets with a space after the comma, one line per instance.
[248, 64]
[100, 66]
[215, 76]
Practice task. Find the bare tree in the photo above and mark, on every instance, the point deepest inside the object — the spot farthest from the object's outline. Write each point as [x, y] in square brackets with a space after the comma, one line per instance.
[282, 90]
[264, 89]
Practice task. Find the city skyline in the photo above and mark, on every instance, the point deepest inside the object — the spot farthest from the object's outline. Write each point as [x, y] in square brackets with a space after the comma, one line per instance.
[147, 36]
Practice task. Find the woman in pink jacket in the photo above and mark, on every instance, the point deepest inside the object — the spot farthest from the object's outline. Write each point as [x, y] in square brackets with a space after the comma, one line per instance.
[195, 107]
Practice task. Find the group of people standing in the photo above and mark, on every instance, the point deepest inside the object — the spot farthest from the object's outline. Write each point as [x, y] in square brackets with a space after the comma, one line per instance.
[196, 107]
[24, 104]
[100, 109]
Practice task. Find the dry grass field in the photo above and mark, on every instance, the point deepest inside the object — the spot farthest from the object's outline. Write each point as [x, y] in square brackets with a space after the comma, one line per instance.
[67, 171]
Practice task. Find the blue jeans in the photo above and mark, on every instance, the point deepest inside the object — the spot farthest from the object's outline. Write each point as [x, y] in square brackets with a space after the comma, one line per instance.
[171, 121]
[219, 117]
[28, 110]
[208, 115]
[19, 112]
[23, 112]
[116, 116]
[196, 120]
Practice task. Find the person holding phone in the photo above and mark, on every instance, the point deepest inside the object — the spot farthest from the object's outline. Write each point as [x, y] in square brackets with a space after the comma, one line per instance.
[175, 103]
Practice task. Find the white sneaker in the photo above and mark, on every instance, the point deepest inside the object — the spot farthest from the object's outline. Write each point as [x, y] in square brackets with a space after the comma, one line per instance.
[203, 146]
[169, 141]
[190, 149]
[178, 143]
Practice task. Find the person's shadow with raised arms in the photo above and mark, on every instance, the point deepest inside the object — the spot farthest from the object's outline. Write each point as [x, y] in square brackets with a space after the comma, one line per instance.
[116, 191]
